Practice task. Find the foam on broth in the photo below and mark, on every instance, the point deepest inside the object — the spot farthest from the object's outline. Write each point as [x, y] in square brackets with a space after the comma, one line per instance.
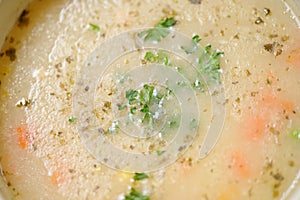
[256, 157]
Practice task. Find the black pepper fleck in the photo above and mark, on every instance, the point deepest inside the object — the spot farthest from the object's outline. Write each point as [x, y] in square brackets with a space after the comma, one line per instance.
[278, 176]
[11, 53]
[69, 59]
[236, 36]
[195, 1]
[23, 19]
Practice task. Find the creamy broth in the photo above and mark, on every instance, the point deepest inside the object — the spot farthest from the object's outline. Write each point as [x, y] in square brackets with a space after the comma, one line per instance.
[256, 157]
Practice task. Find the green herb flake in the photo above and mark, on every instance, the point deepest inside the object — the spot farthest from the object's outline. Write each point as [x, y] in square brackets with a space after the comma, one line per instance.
[131, 95]
[166, 23]
[159, 152]
[209, 64]
[295, 133]
[140, 176]
[160, 57]
[198, 85]
[94, 27]
[189, 49]
[72, 119]
[159, 31]
[193, 124]
[142, 101]
[173, 124]
[196, 39]
[122, 107]
[133, 110]
[135, 195]
[149, 56]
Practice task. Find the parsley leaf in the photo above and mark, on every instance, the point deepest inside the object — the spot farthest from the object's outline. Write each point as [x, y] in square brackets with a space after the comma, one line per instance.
[189, 49]
[140, 176]
[159, 152]
[146, 94]
[198, 85]
[135, 195]
[122, 107]
[166, 23]
[210, 65]
[159, 31]
[193, 124]
[142, 101]
[131, 96]
[133, 110]
[208, 61]
[173, 124]
[196, 39]
[295, 133]
[94, 27]
[72, 119]
[160, 57]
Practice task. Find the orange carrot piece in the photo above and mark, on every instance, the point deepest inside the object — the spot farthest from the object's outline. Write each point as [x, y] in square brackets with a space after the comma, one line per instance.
[239, 165]
[24, 137]
[58, 177]
[273, 102]
[294, 57]
[255, 127]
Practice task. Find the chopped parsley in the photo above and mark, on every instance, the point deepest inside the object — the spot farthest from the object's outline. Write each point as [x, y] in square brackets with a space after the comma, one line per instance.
[94, 27]
[166, 23]
[196, 39]
[198, 85]
[189, 49]
[135, 195]
[208, 61]
[72, 119]
[295, 133]
[173, 124]
[193, 124]
[133, 110]
[131, 96]
[141, 101]
[122, 107]
[209, 64]
[159, 152]
[145, 99]
[157, 57]
[159, 31]
[140, 176]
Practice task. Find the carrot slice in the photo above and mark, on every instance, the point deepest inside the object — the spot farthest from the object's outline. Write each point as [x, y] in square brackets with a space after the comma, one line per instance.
[25, 138]
[272, 102]
[239, 165]
[255, 127]
[294, 57]
[58, 177]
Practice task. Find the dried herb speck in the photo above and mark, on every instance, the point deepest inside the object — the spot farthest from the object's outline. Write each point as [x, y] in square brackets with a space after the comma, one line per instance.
[195, 1]
[11, 53]
[267, 11]
[23, 19]
[274, 48]
[259, 21]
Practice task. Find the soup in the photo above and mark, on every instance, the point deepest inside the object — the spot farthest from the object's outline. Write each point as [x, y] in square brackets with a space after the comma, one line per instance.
[248, 93]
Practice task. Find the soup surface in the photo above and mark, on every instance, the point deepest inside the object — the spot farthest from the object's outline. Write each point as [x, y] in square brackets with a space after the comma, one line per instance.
[42, 151]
